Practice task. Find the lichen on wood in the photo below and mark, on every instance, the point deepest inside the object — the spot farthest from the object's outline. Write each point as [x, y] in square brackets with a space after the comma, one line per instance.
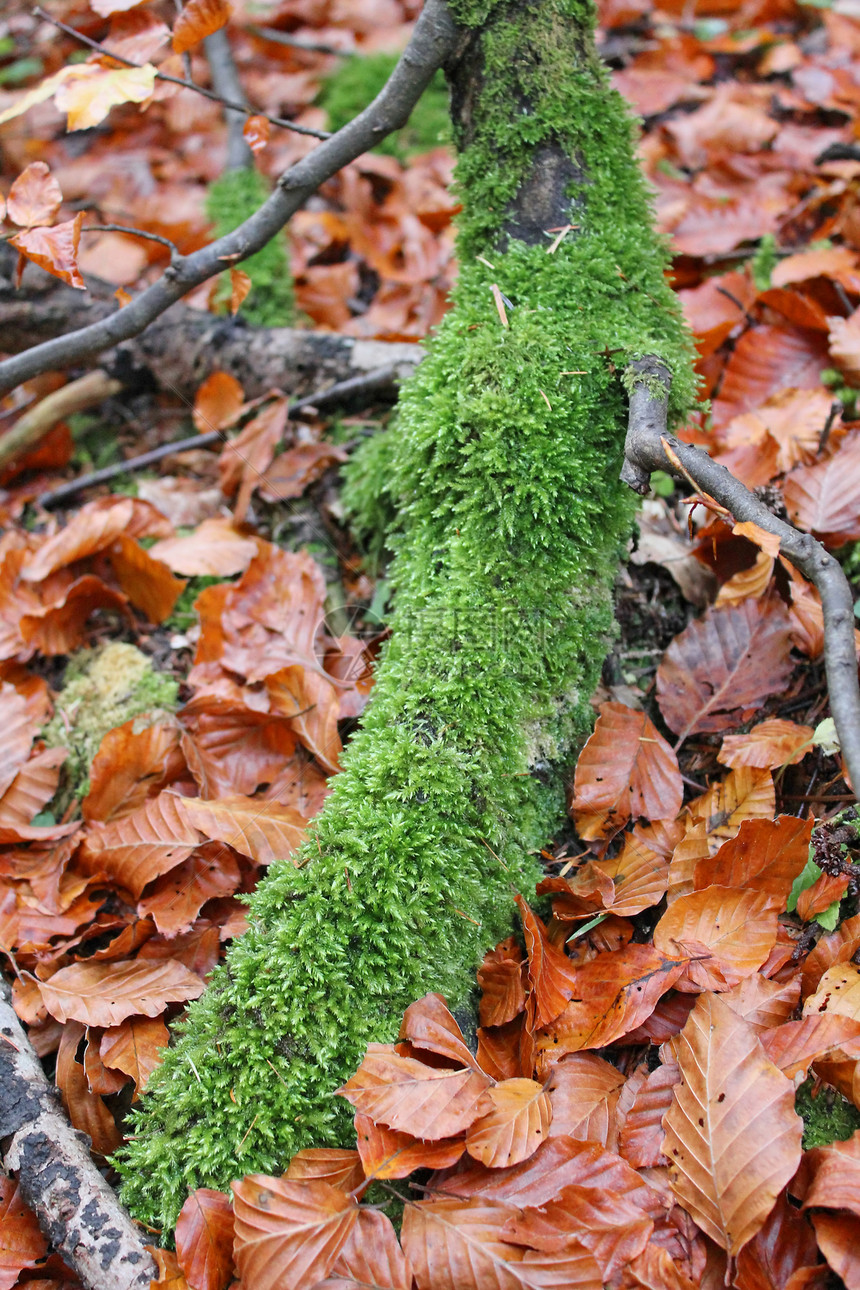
[506, 524]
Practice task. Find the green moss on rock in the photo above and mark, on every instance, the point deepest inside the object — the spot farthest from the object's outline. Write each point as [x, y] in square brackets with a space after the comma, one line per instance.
[103, 688]
[233, 198]
[502, 473]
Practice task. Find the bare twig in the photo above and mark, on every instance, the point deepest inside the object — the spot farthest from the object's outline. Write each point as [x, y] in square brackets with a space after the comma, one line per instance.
[176, 80]
[226, 84]
[295, 42]
[39, 420]
[77, 1210]
[132, 232]
[648, 447]
[384, 378]
[433, 40]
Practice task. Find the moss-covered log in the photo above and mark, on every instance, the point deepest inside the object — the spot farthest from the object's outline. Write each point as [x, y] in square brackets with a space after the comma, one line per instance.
[502, 473]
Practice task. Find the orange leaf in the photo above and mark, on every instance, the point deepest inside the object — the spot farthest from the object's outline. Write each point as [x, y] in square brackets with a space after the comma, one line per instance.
[54, 249]
[256, 131]
[89, 531]
[834, 947]
[764, 1004]
[640, 1140]
[289, 1233]
[404, 1094]
[551, 973]
[371, 1257]
[135, 1048]
[772, 743]
[312, 701]
[838, 991]
[149, 584]
[104, 994]
[215, 548]
[217, 403]
[264, 831]
[337, 1166]
[730, 931]
[503, 996]
[87, 1111]
[387, 1153]
[796, 1045]
[515, 1127]
[35, 196]
[428, 1023]
[614, 993]
[815, 899]
[783, 1254]
[291, 473]
[204, 1240]
[824, 498]
[176, 898]
[732, 1134]
[836, 1176]
[240, 285]
[626, 769]
[458, 1245]
[766, 854]
[169, 1272]
[20, 727]
[23, 1244]
[32, 788]
[723, 666]
[199, 19]
[60, 627]
[130, 765]
[583, 1090]
[139, 847]
[838, 1237]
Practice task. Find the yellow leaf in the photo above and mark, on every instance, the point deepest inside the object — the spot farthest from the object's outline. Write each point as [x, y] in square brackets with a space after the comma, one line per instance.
[89, 99]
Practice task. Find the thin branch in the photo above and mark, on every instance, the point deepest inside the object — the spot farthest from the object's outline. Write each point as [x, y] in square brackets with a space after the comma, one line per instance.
[38, 421]
[226, 83]
[384, 378]
[433, 40]
[177, 80]
[132, 232]
[295, 42]
[647, 448]
[77, 1210]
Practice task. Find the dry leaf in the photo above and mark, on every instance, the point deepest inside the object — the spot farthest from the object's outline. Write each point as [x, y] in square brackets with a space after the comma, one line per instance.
[289, 1233]
[404, 1094]
[515, 1127]
[104, 994]
[204, 1240]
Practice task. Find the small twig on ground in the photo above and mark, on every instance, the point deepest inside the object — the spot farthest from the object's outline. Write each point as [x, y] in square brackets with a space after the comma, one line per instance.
[77, 1210]
[433, 41]
[295, 42]
[370, 382]
[176, 80]
[649, 447]
[39, 420]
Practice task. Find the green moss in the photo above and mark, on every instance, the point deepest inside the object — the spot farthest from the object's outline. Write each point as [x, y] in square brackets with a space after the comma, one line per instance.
[358, 81]
[499, 483]
[231, 199]
[827, 1117]
[103, 688]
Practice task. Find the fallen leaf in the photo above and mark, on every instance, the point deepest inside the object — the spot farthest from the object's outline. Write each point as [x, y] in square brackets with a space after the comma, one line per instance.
[54, 249]
[214, 549]
[824, 498]
[198, 19]
[515, 1127]
[135, 1048]
[727, 932]
[387, 1153]
[404, 1094]
[104, 994]
[583, 1090]
[371, 1257]
[294, 470]
[137, 848]
[772, 743]
[133, 763]
[732, 1134]
[217, 403]
[338, 1166]
[429, 1024]
[23, 1244]
[263, 831]
[204, 1240]
[289, 1233]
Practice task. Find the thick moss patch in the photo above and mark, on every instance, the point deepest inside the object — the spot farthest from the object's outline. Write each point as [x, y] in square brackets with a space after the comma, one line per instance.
[500, 484]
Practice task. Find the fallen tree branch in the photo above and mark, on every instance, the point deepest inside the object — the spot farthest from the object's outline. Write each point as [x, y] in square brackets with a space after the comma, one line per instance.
[39, 420]
[649, 447]
[433, 40]
[384, 378]
[77, 1210]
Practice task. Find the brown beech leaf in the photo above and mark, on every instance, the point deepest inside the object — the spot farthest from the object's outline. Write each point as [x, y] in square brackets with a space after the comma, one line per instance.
[371, 1257]
[428, 1023]
[35, 196]
[762, 1003]
[639, 876]
[727, 931]
[835, 1176]
[32, 788]
[794, 1046]
[133, 763]
[214, 549]
[204, 1240]
[61, 628]
[217, 404]
[404, 1094]
[233, 750]
[732, 1134]
[263, 831]
[834, 947]
[764, 854]
[294, 470]
[500, 977]
[135, 1048]
[824, 498]
[338, 1166]
[501, 1049]
[245, 460]
[256, 131]
[611, 1226]
[458, 1245]
[515, 1127]
[289, 1233]
[198, 19]
[20, 728]
[838, 1237]
[313, 704]
[625, 769]
[176, 898]
[783, 1254]
[613, 994]
[139, 847]
[89, 531]
[827, 888]
[838, 991]
[86, 1110]
[149, 584]
[170, 1274]
[551, 973]
[386, 1153]
[640, 1139]
[744, 794]
[104, 994]
[722, 667]
[22, 1244]
[583, 1090]
[772, 743]
[54, 249]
